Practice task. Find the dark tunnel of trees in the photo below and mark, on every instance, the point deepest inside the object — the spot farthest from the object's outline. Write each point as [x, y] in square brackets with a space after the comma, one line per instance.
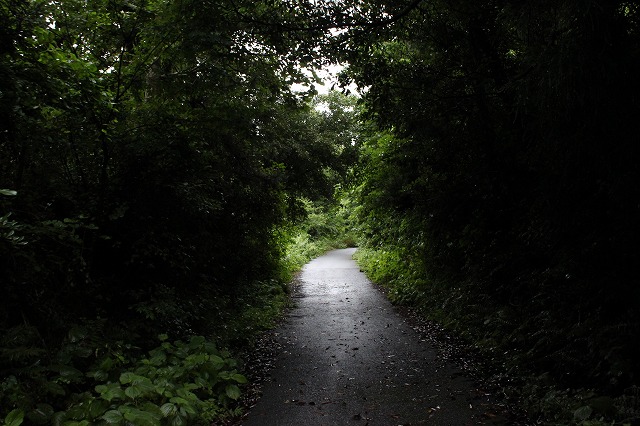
[156, 170]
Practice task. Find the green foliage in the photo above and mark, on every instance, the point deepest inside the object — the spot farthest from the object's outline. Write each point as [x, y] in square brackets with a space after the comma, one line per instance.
[397, 272]
[155, 153]
[324, 219]
[525, 378]
[257, 308]
[8, 230]
[158, 158]
[496, 184]
[176, 383]
[325, 227]
[14, 418]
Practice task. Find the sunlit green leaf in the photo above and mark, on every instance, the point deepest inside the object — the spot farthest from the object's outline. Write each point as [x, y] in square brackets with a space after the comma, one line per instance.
[113, 417]
[233, 392]
[168, 409]
[14, 418]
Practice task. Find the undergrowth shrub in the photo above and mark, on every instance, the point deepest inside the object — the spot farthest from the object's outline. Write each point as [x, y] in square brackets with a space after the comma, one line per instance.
[325, 227]
[177, 383]
[395, 270]
[521, 349]
[257, 308]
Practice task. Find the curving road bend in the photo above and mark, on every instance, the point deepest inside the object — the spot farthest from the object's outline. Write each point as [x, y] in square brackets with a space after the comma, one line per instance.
[349, 358]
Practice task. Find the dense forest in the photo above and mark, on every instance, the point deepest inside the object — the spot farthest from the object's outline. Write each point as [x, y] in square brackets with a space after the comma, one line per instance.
[500, 192]
[155, 164]
[160, 181]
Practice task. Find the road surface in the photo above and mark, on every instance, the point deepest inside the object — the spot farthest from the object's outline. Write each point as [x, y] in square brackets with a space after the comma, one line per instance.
[349, 358]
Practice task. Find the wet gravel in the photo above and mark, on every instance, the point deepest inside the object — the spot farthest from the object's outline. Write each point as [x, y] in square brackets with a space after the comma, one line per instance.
[345, 355]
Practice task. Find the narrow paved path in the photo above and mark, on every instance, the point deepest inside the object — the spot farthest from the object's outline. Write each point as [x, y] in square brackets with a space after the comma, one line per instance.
[348, 358]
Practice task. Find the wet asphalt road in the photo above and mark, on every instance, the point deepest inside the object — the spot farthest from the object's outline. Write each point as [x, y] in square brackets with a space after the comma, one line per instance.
[348, 358]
